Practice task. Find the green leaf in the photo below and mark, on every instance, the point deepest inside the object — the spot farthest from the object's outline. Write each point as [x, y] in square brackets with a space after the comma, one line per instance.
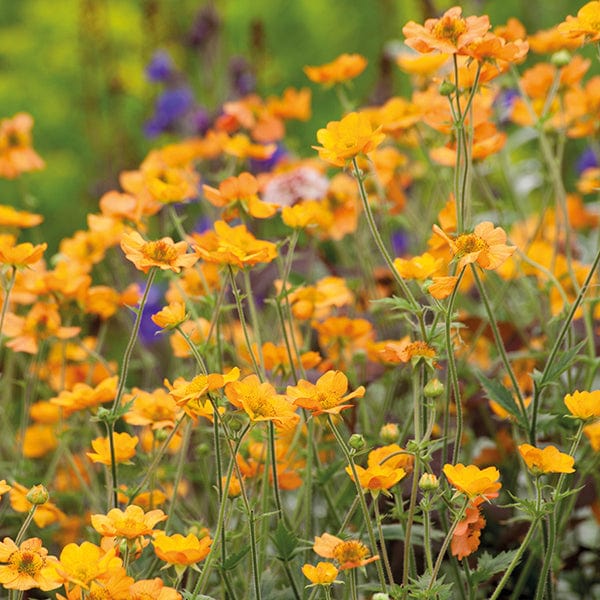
[233, 560]
[561, 364]
[285, 541]
[488, 565]
[393, 303]
[498, 393]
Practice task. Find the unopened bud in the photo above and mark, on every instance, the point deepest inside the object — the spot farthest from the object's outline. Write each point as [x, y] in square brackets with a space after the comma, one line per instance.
[433, 389]
[37, 495]
[160, 435]
[561, 58]
[429, 482]
[380, 596]
[447, 88]
[357, 441]
[389, 433]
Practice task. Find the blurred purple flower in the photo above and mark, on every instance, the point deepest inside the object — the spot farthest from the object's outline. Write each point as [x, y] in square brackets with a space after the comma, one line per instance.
[201, 121]
[399, 243]
[264, 166]
[160, 68]
[205, 27]
[154, 303]
[504, 104]
[587, 160]
[171, 105]
[203, 224]
[243, 81]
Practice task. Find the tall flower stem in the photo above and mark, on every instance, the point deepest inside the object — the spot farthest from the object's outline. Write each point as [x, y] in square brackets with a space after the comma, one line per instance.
[382, 546]
[5, 303]
[363, 503]
[25, 525]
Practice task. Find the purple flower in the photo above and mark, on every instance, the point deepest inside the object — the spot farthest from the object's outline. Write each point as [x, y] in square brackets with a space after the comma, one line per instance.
[201, 121]
[160, 68]
[586, 160]
[268, 164]
[171, 106]
[504, 104]
[399, 242]
[243, 81]
[148, 329]
[205, 27]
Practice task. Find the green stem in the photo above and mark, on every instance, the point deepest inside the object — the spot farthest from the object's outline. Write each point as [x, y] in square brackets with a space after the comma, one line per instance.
[382, 546]
[25, 525]
[8, 289]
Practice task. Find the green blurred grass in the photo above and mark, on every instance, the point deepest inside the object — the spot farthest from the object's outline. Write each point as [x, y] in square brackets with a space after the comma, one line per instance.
[77, 67]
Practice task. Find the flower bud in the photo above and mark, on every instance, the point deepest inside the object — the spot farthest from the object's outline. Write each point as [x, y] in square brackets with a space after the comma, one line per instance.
[433, 389]
[160, 435]
[380, 596]
[37, 495]
[447, 88]
[389, 433]
[357, 441]
[561, 58]
[428, 482]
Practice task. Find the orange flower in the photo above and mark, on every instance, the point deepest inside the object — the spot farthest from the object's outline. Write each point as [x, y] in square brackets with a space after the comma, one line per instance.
[584, 405]
[261, 402]
[343, 68]
[393, 456]
[485, 246]
[418, 267]
[124, 447]
[377, 478]
[163, 253]
[323, 574]
[152, 589]
[240, 146]
[343, 140]
[184, 391]
[308, 214]
[342, 338]
[547, 460]
[239, 192]
[317, 301]
[82, 564]
[131, 523]
[348, 554]
[549, 41]
[586, 23]
[415, 64]
[10, 217]
[39, 439]
[4, 487]
[592, 432]
[233, 245]
[82, 396]
[170, 316]
[181, 551]
[328, 395]
[473, 481]
[16, 154]
[442, 287]
[465, 539]
[449, 34]
[27, 566]
[407, 351]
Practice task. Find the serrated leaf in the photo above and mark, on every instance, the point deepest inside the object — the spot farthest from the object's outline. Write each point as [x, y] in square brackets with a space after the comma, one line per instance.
[285, 541]
[233, 560]
[561, 364]
[393, 303]
[488, 565]
[498, 393]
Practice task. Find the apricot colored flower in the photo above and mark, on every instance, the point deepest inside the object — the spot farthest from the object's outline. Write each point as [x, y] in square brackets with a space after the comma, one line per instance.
[317, 301]
[240, 146]
[586, 23]
[343, 140]
[261, 402]
[377, 478]
[408, 351]
[393, 456]
[584, 405]
[450, 34]
[324, 573]
[232, 246]
[328, 395]
[239, 192]
[124, 447]
[184, 391]
[83, 396]
[342, 338]
[27, 566]
[547, 460]
[39, 440]
[152, 589]
[343, 68]
[131, 523]
[442, 287]
[4, 487]
[164, 253]
[418, 267]
[21, 255]
[11, 217]
[16, 154]
[465, 539]
[415, 64]
[485, 246]
[473, 481]
[170, 316]
[549, 41]
[348, 554]
[80, 564]
[592, 432]
[308, 214]
[181, 551]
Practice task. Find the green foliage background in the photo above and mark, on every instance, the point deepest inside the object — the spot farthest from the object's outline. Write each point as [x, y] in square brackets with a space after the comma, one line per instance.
[78, 67]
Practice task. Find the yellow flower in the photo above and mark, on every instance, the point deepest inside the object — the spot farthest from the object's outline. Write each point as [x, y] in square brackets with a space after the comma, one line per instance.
[81, 564]
[343, 68]
[124, 448]
[547, 460]
[164, 253]
[343, 140]
[181, 551]
[584, 405]
[377, 478]
[418, 267]
[592, 432]
[323, 574]
[21, 255]
[587, 23]
[27, 566]
[473, 481]
[170, 316]
[130, 524]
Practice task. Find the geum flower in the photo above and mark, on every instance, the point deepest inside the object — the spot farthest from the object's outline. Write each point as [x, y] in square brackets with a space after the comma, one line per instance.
[450, 34]
[164, 253]
[465, 539]
[81, 564]
[343, 140]
[584, 405]
[234, 246]
[348, 554]
[324, 573]
[547, 460]
[27, 566]
[130, 523]
[586, 23]
[239, 192]
[327, 395]
[181, 551]
[377, 478]
[124, 448]
[261, 402]
[472, 481]
[16, 154]
[21, 255]
[343, 68]
[485, 246]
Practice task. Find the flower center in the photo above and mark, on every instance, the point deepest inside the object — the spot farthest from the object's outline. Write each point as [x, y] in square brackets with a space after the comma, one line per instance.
[159, 251]
[449, 28]
[327, 399]
[28, 563]
[468, 243]
[351, 551]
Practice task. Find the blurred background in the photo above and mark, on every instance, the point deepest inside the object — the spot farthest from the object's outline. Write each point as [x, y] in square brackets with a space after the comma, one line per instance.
[107, 80]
